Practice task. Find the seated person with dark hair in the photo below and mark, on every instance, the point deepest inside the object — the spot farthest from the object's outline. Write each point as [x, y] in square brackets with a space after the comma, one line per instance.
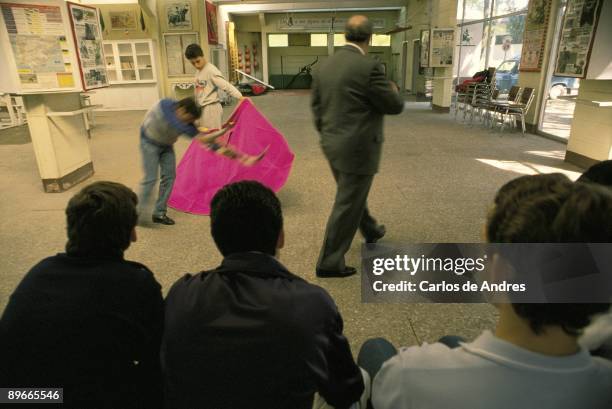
[249, 334]
[532, 360]
[88, 320]
[597, 337]
[600, 173]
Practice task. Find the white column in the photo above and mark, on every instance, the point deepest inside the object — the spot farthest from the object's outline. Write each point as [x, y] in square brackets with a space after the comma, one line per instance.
[444, 15]
[264, 48]
[60, 139]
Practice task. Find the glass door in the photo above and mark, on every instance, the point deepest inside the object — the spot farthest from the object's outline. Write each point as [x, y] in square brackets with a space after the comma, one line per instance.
[558, 108]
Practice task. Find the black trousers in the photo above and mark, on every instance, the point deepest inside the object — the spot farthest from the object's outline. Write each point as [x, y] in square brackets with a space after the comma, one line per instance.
[349, 213]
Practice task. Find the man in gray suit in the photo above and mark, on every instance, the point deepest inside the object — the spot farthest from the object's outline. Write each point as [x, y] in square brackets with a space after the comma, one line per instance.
[350, 97]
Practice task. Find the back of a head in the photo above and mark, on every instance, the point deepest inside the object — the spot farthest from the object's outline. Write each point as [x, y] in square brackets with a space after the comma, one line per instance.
[552, 209]
[193, 51]
[100, 220]
[358, 29]
[600, 173]
[246, 216]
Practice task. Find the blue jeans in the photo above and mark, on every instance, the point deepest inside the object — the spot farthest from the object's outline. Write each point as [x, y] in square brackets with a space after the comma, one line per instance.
[154, 157]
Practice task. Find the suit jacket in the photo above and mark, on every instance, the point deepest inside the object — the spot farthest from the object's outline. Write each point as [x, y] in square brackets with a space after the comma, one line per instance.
[350, 97]
[250, 334]
[90, 325]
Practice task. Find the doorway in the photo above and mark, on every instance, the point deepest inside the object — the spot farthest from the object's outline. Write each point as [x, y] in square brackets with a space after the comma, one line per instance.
[416, 64]
[557, 111]
[404, 65]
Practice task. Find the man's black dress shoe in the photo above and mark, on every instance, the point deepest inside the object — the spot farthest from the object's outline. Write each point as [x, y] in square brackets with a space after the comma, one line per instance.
[382, 230]
[347, 272]
[163, 220]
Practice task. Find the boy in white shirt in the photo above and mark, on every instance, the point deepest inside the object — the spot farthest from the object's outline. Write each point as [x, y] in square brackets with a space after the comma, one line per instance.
[532, 360]
[208, 81]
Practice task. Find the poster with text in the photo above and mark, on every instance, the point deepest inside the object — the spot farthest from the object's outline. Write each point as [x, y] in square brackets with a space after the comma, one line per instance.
[211, 23]
[534, 37]
[178, 15]
[424, 60]
[442, 47]
[38, 39]
[577, 32]
[88, 39]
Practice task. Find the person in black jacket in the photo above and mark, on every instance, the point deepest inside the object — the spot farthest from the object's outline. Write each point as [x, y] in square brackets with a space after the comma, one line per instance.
[87, 320]
[249, 334]
[350, 97]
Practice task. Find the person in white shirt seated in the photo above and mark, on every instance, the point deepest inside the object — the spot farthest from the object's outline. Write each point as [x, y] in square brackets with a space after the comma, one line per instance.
[532, 360]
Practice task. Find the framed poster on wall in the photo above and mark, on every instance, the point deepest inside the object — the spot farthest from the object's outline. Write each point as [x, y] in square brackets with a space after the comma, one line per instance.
[534, 37]
[88, 41]
[424, 57]
[123, 20]
[178, 15]
[442, 46]
[174, 45]
[211, 23]
[577, 32]
[37, 51]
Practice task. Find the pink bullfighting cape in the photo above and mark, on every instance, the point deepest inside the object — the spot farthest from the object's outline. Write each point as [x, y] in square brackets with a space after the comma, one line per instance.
[202, 172]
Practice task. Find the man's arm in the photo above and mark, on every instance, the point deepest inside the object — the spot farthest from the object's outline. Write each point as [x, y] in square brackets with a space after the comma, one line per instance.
[315, 102]
[389, 389]
[223, 84]
[342, 385]
[153, 325]
[384, 94]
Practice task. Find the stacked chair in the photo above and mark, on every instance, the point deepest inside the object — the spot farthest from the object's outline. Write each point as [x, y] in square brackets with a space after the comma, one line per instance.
[481, 100]
[476, 96]
[514, 108]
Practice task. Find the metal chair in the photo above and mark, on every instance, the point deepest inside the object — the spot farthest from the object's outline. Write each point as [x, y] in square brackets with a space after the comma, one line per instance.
[518, 109]
[481, 100]
[499, 105]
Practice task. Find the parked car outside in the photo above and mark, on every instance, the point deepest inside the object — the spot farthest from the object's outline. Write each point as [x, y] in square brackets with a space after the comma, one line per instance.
[507, 74]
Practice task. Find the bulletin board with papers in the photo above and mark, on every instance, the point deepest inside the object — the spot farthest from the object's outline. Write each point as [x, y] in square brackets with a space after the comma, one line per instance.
[442, 47]
[36, 44]
[577, 33]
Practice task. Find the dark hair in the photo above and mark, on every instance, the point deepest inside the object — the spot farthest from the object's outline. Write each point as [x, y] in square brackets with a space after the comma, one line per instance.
[358, 33]
[552, 209]
[600, 173]
[246, 216]
[193, 51]
[100, 219]
[503, 224]
[190, 106]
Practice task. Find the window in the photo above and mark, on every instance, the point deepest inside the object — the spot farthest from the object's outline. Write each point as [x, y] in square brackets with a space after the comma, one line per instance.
[339, 40]
[318, 40]
[491, 35]
[507, 66]
[278, 40]
[380, 40]
[299, 40]
[501, 7]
